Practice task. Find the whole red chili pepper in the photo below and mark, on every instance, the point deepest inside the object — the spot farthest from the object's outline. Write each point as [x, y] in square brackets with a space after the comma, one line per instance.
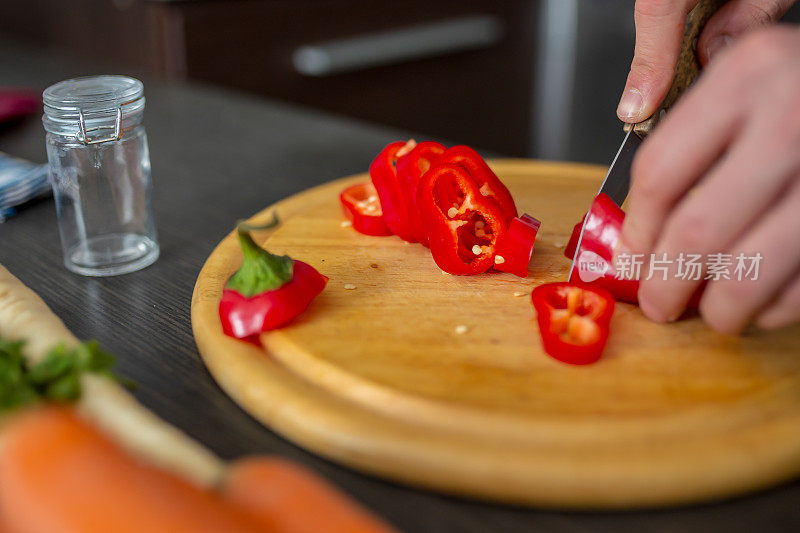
[594, 261]
[361, 207]
[573, 320]
[383, 172]
[410, 169]
[515, 246]
[488, 182]
[463, 225]
[268, 291]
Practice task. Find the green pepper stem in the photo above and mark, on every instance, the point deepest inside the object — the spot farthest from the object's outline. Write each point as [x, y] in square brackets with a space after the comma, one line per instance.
[261, 271]
[243, 226]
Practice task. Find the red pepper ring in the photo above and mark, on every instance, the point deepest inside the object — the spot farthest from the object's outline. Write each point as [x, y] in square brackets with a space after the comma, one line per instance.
[383, 173]
[244, 317]
[573, 320]
[410, 169]
[463, 225]
[569, 251]
[488, 182]
[594, 264]
[515, 247]
[361, 207]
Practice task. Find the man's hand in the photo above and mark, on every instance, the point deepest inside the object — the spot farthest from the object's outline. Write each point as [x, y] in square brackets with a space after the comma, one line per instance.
[659, 32]
[721, 172]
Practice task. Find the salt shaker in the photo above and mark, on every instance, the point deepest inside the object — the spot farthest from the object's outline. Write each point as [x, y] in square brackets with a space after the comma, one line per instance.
[100, 173]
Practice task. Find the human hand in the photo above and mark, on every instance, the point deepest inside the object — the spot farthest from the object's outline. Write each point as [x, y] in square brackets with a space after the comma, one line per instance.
[659, 32]
[721, 173]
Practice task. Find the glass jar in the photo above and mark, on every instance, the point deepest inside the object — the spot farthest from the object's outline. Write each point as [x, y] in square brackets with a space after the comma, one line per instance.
[100, 172]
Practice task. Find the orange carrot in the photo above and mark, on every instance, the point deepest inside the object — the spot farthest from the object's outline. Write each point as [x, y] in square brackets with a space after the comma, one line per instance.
[291, 499]
[58, 474]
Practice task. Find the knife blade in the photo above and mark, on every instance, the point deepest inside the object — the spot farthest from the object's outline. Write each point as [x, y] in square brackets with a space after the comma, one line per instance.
[617, 182]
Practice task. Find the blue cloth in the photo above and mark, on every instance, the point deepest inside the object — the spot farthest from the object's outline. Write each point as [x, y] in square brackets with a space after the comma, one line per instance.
[20, 181]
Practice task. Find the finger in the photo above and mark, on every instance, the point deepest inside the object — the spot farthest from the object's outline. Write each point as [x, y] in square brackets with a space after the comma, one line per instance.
[685, 145]
[729, 305]
[733, 196]
[785, 310]
[734, 19]
[659, 32]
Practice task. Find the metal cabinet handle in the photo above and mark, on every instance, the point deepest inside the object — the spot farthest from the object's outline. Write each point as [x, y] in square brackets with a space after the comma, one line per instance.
[397, 46]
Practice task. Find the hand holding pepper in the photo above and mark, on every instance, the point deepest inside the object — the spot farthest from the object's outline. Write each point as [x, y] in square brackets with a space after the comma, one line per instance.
[721, 173]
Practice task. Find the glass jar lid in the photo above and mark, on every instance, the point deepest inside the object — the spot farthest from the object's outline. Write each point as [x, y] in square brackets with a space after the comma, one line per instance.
[93, 108]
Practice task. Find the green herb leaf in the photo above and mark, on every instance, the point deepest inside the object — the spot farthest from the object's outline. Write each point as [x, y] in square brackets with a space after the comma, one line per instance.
[16, 395]
[261, 271]
[55, 364]
[89, 356]
[11, 363]
[67, 388]
[57, 377]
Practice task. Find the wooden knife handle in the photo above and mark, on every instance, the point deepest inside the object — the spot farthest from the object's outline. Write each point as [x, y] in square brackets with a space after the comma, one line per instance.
[688, 66]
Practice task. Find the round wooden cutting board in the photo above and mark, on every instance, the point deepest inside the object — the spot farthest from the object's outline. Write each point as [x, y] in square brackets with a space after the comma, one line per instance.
[383, 378]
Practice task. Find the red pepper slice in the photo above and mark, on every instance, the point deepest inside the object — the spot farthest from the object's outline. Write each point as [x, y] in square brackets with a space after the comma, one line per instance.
[410, 169]
[569, 251]
[383, 172]
[594, 259]
[268, 291]
[463, 225]
[515, 247]
[594, 263]
[488, 182]
[361, 207]
[573, 320]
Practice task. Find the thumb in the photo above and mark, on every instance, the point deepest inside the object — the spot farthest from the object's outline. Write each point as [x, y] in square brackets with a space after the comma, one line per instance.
[659, 32]
[734, 19]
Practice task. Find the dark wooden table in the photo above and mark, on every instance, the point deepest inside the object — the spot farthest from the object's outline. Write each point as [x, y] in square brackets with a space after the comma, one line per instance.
[218, 156]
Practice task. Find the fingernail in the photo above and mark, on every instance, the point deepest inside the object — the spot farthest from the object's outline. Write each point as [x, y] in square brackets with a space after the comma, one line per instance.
[631, 104]
[718, 43]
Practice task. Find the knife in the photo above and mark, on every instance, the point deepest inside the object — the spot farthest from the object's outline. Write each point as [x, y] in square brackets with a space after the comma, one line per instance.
[617, 182]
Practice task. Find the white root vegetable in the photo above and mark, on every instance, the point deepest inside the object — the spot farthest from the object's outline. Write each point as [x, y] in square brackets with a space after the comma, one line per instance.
[104, 403]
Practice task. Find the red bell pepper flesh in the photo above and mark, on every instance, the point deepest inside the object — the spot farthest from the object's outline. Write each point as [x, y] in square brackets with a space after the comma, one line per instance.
[243, 317]
[488, 182]
[383, 172]
[601, 235]
[453, 210]
[515, 247]
[573, 320]
[569, 251]
[410, 169]
[362, 208]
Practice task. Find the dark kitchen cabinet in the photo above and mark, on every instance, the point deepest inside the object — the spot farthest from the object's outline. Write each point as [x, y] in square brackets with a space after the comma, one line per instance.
[469, 89]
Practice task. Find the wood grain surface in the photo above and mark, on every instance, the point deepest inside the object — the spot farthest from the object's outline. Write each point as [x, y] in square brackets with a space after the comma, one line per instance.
[377, 377]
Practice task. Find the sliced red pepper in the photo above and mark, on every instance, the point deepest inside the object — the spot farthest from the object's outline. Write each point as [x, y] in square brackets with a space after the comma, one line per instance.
[601, 233]
[383, 172]
[463, 225]
[267, 292]
[573, 320]
[362, 208]
[488, 182]
[569, 251]
[410, 169]
[515, 247]
[594, 264]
